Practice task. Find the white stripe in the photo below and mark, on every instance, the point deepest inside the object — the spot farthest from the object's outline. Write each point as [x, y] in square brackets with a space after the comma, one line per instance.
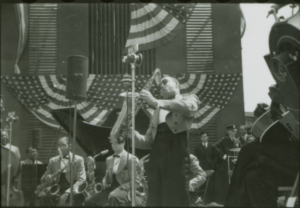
[82, 105]
[99, 117]
[154, 36]
[199, 85]
[90, 81]
[189, 82]
[205, 120]
[44, 112]
[53, 105]
[90, 112]
[45, 122]
[142, 11]
[201, 111]
[45, 85]
[150, 23]
[56, 83]
[49, 90]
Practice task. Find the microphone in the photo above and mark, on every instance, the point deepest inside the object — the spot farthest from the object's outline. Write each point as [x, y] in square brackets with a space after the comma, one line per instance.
[101, 153]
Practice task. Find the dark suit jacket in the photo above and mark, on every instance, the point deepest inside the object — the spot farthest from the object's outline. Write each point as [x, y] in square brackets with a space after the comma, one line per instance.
[221, 148]
[204, 155]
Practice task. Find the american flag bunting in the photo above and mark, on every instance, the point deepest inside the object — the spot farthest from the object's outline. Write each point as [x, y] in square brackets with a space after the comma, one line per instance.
[43, 93]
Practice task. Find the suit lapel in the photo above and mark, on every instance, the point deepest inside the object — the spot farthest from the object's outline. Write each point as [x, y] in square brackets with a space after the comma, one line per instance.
[70, 160]
[202, 148]
[57, 164]
[123, 161]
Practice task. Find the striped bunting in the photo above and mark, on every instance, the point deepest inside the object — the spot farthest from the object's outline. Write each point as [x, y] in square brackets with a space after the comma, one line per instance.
[41, 94]
[153, 25]
[214, 92]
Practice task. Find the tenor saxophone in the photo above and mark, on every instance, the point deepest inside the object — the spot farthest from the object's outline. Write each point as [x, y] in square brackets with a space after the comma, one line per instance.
[46, 187]
[119, 131]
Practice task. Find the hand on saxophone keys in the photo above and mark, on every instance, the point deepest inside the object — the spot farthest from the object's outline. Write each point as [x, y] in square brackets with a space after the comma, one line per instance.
[49, 179]
[148, 97]
[105, 185]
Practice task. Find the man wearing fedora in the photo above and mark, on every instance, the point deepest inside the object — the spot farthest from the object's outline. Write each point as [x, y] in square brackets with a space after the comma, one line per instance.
[222, 151]
[117, 180]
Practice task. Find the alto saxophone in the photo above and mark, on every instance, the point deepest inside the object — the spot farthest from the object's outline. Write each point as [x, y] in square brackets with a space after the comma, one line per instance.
[92, 187]
[119, 131]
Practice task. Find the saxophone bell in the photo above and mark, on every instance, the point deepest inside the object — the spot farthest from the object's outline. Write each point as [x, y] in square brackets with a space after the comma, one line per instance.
[98, 187]
[53, 190]
[81, 189]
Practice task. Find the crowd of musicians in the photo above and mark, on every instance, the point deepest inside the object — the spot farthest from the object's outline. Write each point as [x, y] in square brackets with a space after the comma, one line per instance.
[173, 175]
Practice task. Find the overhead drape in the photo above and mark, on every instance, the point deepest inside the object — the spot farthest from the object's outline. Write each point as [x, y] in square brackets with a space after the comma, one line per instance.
[22, 18]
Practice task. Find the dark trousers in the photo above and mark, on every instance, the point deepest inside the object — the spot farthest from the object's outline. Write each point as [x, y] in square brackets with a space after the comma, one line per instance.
[112, 196]
[259, 170]
[52, 200]
[168, 169]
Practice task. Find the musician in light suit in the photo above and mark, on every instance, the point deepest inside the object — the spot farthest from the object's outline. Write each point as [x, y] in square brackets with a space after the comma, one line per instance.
[169, 160]
[64, 178]
[117, 180]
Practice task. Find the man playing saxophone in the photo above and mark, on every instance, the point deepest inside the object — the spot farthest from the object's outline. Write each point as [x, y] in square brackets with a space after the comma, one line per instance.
[58, 172]
[117, 180]
[169, 160]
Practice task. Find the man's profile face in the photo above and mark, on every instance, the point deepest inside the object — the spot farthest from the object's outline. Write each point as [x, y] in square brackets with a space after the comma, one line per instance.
[63, 146]
[4, 138]
[117, 147]
[204, 137]
[168, 87]
[232, 132]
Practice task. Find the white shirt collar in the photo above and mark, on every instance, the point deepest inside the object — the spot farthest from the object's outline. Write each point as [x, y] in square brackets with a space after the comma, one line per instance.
[120, 153]
[178, 96]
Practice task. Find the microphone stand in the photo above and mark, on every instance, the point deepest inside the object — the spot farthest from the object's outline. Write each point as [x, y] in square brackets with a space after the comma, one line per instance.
[135, 61]
[73, 152]
[133, 131]
[11, 118]
[36, 181]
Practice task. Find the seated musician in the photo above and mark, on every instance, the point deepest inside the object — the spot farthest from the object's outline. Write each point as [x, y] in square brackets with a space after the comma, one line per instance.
[117, 180]
[61, 164]
[197, 178]
[32, 155]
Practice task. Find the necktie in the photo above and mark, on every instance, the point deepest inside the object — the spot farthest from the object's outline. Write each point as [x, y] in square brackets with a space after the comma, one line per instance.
[66, 157]
[116, 156]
